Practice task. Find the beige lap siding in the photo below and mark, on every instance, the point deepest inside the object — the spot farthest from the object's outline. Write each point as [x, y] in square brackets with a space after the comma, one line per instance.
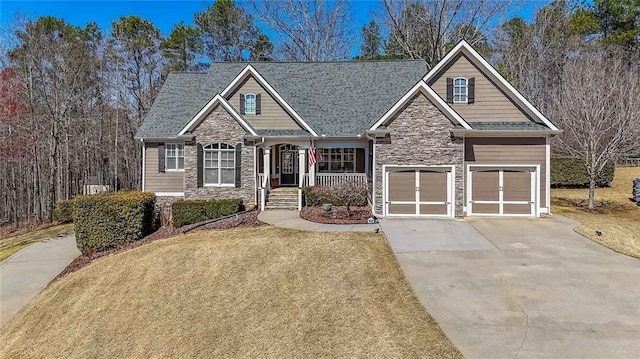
[512, 151]
[219, 127]
[490, 105]
[156, 181]
[420, 136]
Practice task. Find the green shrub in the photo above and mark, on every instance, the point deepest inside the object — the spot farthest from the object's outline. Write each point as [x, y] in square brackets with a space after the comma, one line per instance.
[109, 220]
[63, 213]
[185, 212]
[570, 172]
[342, 195]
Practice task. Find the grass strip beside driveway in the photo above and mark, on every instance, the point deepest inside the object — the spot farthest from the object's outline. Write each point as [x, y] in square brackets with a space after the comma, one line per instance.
[237, 293]
[615, 217]
[11, 245]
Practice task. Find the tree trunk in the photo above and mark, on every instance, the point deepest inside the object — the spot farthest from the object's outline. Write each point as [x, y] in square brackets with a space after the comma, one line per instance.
[592, 192]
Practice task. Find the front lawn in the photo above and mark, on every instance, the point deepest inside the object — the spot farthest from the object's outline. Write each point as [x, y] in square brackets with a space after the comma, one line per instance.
[11, 245]
[616, 217]
[258, 292]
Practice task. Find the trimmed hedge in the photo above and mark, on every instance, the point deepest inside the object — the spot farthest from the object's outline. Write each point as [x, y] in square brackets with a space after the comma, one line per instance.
[570, 172]
[63, 213]
[109, 220]
[336, 195]
[185, 212]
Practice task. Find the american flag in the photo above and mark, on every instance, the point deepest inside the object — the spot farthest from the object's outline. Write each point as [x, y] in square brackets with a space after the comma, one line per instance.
[313, 157]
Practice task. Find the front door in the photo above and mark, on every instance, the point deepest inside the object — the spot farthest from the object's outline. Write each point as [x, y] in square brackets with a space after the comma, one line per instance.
[288, 165]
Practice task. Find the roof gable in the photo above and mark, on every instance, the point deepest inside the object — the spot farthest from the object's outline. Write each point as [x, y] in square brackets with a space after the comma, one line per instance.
[463, 48]
[210, 106]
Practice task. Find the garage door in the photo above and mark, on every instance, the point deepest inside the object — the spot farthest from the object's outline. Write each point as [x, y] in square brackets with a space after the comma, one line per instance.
[508, 191]
[419, 192]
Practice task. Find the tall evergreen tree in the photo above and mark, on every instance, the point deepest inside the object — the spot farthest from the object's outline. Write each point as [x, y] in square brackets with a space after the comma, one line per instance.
[182, 48]
[371, 41]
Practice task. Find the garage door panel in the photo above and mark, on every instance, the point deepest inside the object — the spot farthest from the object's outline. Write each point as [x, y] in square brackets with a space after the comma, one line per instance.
[402, 186]
[512, 208]
[395, 208]
[433, 186]
[517, 186]
[440, 209]
[485, 185]
[486, 208]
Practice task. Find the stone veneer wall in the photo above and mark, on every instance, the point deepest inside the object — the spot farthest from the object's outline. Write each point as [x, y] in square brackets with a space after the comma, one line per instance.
[219, 126]
[420, 135]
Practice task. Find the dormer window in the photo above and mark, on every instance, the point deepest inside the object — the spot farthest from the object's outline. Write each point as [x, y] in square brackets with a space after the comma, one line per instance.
[460, 90]
[250, 104]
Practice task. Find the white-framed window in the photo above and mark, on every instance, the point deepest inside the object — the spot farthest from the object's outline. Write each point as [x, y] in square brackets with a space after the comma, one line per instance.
[460, 90]
[174, 157]
[250, 104]
[337, 160]
[219, 164]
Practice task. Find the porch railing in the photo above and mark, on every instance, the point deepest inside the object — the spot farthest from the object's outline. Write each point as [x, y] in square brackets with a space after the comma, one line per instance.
[331, 179]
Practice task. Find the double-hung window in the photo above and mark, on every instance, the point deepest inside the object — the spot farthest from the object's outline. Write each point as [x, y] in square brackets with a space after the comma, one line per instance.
[174, 157]
[460, 90]
[250, 104]
[337, 160]
[219, 164]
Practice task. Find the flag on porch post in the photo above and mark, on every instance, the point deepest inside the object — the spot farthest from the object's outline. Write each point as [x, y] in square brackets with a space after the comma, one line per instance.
[313, 158]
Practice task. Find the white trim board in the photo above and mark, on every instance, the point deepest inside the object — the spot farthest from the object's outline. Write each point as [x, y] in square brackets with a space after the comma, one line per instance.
[256, 75]
[217, 99]
[431, 95]
[169, 194]
[512, 92]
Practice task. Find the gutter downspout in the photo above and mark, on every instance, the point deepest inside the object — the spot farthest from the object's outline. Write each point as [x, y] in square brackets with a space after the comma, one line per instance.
[373, 179]
[144, 155]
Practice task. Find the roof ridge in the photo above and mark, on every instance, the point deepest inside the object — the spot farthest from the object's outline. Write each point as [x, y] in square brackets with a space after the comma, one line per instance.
[316, 62]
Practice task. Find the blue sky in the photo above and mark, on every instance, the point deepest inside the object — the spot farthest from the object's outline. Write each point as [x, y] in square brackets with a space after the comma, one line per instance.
[164, 14]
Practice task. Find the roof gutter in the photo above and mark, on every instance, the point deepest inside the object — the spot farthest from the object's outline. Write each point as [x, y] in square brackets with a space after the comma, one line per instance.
[504, 133]
[185, 137]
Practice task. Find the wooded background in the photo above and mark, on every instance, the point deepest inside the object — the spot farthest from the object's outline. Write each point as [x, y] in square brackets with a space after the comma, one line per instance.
[72, 98]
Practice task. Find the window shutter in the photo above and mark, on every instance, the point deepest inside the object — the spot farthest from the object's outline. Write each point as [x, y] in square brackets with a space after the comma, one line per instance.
[449, 90]
[242, 104]
[238, 171]
[471, 90]
[200, 165]
[258, 102]
[161, 158]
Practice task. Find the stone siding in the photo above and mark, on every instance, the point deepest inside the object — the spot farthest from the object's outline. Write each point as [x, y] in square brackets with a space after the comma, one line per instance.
[163, 208]
[219, 126]
[420, 135]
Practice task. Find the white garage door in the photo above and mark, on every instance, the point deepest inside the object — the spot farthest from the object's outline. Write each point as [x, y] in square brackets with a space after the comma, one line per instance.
[502, 191]
[419, 191]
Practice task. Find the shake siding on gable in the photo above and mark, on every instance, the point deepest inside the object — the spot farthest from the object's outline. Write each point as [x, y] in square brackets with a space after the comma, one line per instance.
[160, 181]
[490, 103]
[272, 116]
[512, 151]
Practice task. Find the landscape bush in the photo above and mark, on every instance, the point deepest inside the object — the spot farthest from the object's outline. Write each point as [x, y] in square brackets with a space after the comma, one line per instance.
[348, 194]
[186, 212]
[570, 172]
[110, 220]
[63, 213]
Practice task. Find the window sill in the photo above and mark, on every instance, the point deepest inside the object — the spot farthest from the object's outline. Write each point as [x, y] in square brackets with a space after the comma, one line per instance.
[461, 102]
[171, 170]
[219, 185]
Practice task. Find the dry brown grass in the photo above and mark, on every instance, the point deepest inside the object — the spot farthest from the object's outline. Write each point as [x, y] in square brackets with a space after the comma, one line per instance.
[262, 292]
[11, 245]
[616, 216]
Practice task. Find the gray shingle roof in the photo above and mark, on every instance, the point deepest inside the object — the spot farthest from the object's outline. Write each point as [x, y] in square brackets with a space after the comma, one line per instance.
[334, 98]
[508, 126]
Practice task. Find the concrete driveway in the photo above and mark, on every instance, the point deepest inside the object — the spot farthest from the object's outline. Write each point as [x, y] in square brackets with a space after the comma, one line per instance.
[542, 292]
[26, 273]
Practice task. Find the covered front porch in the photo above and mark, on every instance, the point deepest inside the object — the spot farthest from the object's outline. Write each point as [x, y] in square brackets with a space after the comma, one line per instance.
[284, 164]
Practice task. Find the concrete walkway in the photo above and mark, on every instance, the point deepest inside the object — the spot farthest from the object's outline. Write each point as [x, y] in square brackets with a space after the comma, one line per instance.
[543, 291]
[26, 273]
[291, 219]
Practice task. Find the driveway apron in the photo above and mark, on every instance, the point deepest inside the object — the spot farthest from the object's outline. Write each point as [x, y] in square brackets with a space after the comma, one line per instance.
[543, 291]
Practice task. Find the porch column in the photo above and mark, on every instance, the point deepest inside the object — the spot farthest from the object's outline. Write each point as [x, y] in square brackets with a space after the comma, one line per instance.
[301, 165]
[312, 172]
[266, 170]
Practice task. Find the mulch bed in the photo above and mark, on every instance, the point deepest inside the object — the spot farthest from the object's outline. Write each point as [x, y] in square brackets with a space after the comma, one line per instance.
[244, 220]
[338, 215]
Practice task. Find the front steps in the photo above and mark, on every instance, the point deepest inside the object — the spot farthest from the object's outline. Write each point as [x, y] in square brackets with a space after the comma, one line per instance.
[282, 198]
